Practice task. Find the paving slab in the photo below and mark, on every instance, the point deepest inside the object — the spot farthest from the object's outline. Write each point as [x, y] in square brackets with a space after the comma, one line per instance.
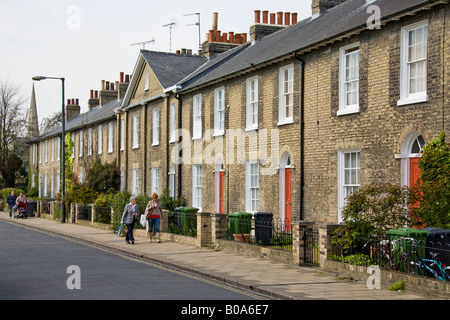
[277, 280]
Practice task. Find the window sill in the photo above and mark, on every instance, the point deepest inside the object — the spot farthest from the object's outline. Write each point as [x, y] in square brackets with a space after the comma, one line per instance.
[285, 121]
[412, 100]
[348, 110]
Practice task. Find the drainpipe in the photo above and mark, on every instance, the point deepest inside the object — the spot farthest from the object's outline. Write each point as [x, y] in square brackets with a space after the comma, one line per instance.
[302, 135]
[180, 139]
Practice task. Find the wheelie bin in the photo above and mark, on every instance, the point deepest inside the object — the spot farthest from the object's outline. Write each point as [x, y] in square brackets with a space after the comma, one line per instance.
[263, 227]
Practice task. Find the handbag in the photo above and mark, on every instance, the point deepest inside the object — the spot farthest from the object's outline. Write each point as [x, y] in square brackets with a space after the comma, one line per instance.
[143, 220]
[122, 232]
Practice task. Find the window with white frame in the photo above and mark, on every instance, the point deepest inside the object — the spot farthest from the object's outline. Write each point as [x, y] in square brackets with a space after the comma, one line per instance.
[197, 186]
[155, 180]
[349, 79]
[45, 185]
[80, 146]
[52, 185]
[32, 180]
[58, 182]
[136, 131]
[100, 139]
[219, 111]
[40, 185]
[135, 182]
[46, 151]
[197, 117]
[72, 137]
[147, 80]
[413, 63]
[172, 181]
[53, 149]
[122, 179]
[156, 125]
[122, 134]
[110, 137]
[58, 147]
[89, 141]
[40, 151]
[252, 104]
[33, 156]
[252, 186]
[349, 168]
[172, 126]
[286, 103]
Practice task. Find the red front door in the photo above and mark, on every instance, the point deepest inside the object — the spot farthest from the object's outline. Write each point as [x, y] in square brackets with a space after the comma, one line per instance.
[221, 192]
[288, 198]
[414, 175]
[414, 171]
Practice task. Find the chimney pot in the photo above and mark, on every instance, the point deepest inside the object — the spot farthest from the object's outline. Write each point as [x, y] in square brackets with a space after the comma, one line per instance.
[244, 38]
[77, 102]
[272, 18]
[257, 16]
[294, 17]
[121, 77]
[225, 37]
[127, 78]
[215, 21]
[231, 37]
[212, 34]
[96, 94]
[287, 18]
[103, 85]
[68, 101]
[279, 18]
[111, 86]
[265, 17]
[92, 94]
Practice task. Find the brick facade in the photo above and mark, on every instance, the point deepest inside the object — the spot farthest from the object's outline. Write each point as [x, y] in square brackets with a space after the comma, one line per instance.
[380, 132]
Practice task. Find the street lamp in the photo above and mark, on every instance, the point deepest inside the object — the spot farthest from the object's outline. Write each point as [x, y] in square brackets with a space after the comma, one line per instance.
[63, 142]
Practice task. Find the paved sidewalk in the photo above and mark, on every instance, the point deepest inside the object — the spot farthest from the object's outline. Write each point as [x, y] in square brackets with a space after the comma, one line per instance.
[277, 280]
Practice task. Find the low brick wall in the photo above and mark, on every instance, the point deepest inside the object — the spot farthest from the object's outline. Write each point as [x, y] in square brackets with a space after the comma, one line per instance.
[413, 283]
[255, 251]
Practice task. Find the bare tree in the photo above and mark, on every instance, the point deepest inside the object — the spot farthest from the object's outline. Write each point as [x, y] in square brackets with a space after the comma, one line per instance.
[12, 132]
[50, 123]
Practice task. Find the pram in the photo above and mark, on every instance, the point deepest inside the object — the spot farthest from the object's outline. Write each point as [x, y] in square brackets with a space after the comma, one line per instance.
[21, 211]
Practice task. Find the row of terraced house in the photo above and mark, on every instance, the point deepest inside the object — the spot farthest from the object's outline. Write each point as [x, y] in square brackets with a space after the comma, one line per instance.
[290, 121]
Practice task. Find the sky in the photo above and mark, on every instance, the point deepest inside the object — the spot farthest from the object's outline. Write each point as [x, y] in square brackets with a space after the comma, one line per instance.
[86, 41]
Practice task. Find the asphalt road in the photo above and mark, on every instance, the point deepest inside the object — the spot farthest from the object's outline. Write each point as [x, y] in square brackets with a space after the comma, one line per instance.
[38, 266]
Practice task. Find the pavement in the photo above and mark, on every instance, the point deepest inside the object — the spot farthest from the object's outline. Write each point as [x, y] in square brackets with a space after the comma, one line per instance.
[276, 280]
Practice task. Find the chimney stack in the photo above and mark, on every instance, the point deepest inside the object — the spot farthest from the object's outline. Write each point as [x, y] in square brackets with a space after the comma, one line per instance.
[320, 6]
[260, 30]
[218, 42]
[73, 109]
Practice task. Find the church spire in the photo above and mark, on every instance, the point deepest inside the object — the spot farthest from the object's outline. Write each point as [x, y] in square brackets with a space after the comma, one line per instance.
[33, 124]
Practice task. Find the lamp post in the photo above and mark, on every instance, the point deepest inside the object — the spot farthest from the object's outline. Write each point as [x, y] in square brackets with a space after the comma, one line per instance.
[63, 142]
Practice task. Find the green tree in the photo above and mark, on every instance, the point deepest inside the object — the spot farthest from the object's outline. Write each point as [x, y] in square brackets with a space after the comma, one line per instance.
[430, 197]
[104, 178]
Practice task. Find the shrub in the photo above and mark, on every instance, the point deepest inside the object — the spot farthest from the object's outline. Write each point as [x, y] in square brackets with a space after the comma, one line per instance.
[373, 210]
[431, 195]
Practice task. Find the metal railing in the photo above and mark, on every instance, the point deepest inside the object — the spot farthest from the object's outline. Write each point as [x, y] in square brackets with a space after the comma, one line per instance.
[403, 254]
[276, 235]
[183, 224]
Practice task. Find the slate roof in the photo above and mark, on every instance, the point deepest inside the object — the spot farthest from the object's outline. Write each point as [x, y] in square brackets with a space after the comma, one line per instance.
[170, 68]
[96, 115]
[345, 18]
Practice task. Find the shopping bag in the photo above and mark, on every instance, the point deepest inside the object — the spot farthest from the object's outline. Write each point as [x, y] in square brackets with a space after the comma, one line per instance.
[143, 220]
[122, 231]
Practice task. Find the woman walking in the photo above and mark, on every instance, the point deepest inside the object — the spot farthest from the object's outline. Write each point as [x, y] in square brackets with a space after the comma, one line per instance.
[129, 217]
[154, 215]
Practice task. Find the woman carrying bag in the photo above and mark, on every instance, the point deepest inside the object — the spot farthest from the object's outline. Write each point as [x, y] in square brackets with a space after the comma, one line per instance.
[154, 215]
[129, 217]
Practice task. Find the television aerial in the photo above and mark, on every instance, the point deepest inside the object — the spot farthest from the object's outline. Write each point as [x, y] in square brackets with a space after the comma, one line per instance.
[172, 25]
[196, 24]
[143, 43]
